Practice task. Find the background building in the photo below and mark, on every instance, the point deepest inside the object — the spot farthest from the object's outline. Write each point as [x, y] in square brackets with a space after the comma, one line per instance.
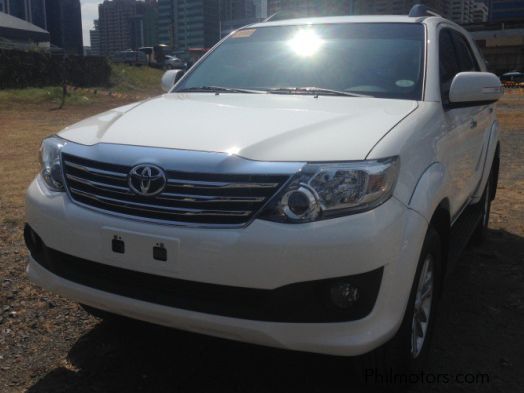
[16, 33]
[114, 25]
[261, 11]
[314, 7]
[467, 11]
[238, 13]
[460, 11]
[150, 22]
[196, 23]
[61, 18]
[201, 23]
[166, 22]
[17, 8]
[480, 12]
[502, 45]
[64, 23]
[32, 11]
[126, 24]
[237, 9]
[504, 10]
[36, 12]
[94, 35]
[144, 25]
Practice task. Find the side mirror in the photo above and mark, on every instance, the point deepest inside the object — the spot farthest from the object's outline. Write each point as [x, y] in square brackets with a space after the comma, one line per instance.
[170, 78]
[475, 88]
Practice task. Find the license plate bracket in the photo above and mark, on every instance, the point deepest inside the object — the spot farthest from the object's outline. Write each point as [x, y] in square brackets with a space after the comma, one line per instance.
[140, 251]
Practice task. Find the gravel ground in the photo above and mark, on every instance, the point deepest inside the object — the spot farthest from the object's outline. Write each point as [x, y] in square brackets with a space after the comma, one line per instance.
[49, 344]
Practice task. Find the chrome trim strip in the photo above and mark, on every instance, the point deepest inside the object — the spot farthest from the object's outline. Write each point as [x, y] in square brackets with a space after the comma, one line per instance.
[96, 171]
[190, 198]
[211, 185]
[159, 208]
[155, 221]
[100, 186]
[207, 199]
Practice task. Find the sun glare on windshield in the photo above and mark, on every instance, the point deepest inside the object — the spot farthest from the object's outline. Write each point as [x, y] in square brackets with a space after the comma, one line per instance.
[306, 43]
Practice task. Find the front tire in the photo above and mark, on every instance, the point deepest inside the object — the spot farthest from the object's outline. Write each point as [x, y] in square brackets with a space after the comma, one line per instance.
[408, 350]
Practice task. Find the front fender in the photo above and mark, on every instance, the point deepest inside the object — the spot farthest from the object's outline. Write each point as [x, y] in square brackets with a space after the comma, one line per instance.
[430, 190]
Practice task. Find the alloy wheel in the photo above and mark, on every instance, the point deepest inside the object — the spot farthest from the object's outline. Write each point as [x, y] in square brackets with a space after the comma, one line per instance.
[422, 309]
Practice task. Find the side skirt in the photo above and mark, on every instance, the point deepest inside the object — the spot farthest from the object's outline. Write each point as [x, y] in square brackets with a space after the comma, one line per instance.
[461, 233]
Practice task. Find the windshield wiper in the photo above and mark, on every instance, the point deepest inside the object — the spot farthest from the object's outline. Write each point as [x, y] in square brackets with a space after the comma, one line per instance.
[313, 90]
[219, 89]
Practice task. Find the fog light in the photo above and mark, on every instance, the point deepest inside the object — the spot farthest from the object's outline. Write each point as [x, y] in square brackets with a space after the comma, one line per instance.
[344, 295]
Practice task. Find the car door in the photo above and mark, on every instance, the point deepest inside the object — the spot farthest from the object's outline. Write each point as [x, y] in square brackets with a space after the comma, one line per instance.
[466, 126]
[481, 115]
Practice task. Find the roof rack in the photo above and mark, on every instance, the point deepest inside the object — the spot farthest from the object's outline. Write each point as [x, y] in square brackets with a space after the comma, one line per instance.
[419, 10]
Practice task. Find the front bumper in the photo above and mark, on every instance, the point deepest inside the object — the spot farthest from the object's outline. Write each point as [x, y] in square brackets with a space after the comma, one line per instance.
[262, 256]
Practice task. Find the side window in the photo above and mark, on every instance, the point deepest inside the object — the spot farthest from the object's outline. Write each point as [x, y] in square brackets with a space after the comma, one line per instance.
[448, 63]
[464, 53]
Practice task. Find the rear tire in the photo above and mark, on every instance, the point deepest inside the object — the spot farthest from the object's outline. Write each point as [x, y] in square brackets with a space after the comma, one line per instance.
[408, 350]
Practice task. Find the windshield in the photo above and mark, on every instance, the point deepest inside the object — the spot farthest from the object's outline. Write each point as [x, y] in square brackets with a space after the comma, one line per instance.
[375, 59]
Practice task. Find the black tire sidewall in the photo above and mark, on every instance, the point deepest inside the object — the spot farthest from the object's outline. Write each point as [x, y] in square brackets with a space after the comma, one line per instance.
[399, 358]
[394, 357]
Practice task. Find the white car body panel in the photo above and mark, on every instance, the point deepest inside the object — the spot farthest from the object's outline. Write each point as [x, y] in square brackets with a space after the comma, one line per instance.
[263, 255]
[259, 126]
[445, 155]
[247, 257]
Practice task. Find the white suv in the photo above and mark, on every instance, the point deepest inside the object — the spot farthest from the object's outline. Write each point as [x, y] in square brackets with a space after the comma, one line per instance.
[306, 185]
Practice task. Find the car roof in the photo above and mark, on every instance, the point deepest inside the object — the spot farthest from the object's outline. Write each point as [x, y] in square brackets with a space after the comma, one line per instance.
[347, 19]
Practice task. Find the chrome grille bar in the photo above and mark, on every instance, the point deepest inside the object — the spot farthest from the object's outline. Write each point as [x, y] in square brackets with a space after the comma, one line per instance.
[209, 184]
[164, 209]
[96, 171]
[208, 199]
[190, 198]
[100, 186]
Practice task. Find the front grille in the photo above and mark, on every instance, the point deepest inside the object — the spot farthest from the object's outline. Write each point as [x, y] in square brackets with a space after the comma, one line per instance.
[194, 198]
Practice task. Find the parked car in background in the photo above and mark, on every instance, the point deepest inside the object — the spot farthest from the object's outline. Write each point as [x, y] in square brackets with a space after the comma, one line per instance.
[174, 63]
[308, 185]
[129, 57]
[156, 55]
[513, 79]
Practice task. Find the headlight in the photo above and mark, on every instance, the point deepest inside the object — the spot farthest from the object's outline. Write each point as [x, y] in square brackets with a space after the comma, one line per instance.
[322, 191]
[51, 163]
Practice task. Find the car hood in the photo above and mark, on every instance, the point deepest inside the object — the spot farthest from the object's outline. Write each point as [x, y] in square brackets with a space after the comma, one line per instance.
[255, 126]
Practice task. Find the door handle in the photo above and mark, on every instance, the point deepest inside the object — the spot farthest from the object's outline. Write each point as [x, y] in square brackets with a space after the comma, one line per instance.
[473, 123]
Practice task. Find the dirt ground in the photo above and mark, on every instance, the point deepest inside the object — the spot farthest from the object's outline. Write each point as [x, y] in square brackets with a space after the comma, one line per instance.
[48, 344]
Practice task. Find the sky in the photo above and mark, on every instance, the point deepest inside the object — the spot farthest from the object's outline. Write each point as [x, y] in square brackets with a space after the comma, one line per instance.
[89, 14]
